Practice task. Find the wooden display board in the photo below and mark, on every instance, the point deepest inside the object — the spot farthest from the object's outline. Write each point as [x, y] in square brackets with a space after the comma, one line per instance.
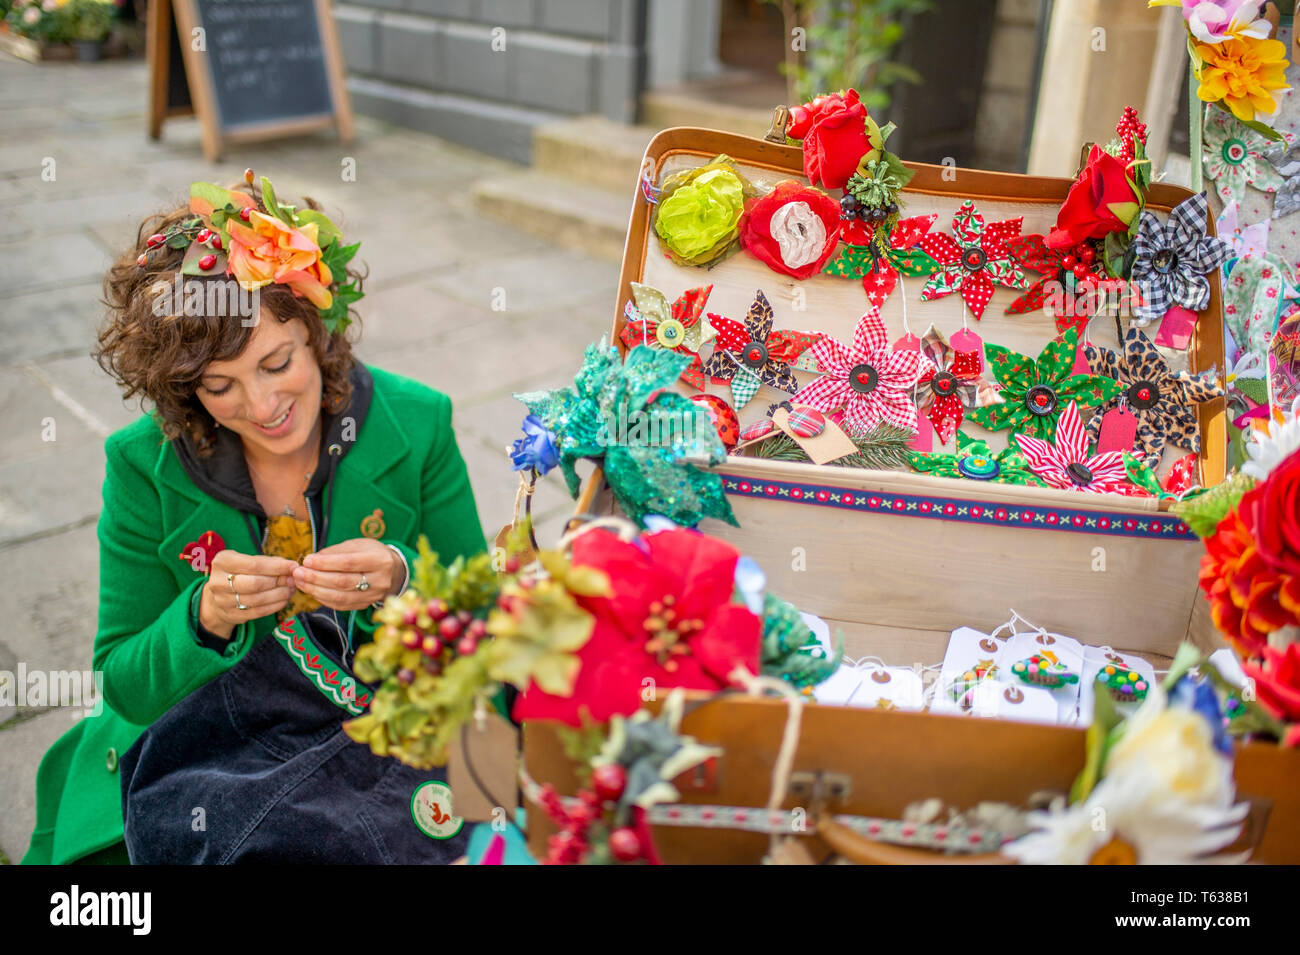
[248, 69]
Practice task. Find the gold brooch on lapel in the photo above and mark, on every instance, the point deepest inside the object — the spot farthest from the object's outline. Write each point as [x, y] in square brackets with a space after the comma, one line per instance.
[373, 526]
[198, 554]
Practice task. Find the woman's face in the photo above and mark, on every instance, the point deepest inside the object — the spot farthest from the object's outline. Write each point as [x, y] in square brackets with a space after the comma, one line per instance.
[270, 394]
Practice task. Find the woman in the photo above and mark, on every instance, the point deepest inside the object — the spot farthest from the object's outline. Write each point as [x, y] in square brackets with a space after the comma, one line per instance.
[276, 476]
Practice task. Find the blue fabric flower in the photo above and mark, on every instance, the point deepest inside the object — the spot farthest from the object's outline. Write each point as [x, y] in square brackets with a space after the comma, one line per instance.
[1198, 695]
[536, 449]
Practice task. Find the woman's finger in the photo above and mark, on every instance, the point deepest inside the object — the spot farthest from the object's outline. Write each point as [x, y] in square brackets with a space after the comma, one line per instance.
[345, 561]
[337, 599]
[254, 604]
[255, 583]
[233, 562]
[376, 577]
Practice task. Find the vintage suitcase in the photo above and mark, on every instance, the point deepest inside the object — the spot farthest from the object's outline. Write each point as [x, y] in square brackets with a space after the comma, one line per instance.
[897, 560]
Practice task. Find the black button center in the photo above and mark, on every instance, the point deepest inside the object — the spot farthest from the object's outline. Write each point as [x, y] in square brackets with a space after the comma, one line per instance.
[974, 258]
[1143, 394]
[1040, 400]
[1164, 261]
[863, 379]
[1079, 473]
[943, 384]
[754, 354]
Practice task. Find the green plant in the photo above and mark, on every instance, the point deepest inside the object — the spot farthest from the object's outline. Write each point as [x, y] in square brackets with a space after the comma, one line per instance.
[88, 20]
[845, 43]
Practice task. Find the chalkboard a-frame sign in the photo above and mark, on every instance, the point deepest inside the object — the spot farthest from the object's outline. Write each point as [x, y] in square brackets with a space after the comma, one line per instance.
[248, 69]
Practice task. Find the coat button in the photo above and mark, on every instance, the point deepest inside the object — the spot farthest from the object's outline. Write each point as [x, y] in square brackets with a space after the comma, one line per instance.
[110, 760]
[863, 379]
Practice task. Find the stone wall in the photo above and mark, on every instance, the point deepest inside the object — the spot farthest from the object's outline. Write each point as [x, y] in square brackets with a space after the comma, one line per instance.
[486, 72]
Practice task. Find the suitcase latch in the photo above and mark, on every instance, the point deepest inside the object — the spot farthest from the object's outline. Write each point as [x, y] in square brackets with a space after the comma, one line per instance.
[818, 787]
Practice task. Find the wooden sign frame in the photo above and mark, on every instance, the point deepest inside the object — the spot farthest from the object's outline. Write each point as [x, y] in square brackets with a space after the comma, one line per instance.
[184, 14]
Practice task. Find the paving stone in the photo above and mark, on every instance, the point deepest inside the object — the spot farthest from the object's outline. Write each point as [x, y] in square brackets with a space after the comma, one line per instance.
[21, 747]
[73, 257]
[543, 282]
[44, 494]
[85, 383]
[35, 424]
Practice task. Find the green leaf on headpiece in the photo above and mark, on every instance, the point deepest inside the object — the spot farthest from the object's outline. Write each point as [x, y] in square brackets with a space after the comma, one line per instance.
[209, 196]
[326, 231]
[268, 200]
[337, 256]
[179, 241]
[335, 318]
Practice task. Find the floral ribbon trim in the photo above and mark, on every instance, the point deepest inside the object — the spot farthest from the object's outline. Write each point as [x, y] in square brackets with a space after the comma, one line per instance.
[1113, 524]
[776, 822]
[336, 686]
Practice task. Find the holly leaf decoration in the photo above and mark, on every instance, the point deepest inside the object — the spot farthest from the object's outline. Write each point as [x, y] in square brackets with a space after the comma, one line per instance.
[853, 261]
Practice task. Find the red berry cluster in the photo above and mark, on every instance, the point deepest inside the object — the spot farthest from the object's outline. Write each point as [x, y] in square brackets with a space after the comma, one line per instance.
[433, 629]
[1083, 263]
[571, 844]
[1130, 129]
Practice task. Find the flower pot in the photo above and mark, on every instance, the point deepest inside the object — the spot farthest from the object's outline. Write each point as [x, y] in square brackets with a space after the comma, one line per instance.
[88, 51]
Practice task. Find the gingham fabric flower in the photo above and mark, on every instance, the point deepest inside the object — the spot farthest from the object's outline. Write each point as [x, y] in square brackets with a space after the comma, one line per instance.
[973, 258]
[1171, 260]
[1235, 156]
[862, 255]
[1160, 400]
[679, 327]
[1035, 391]
[951, 381]
[766, 353]
[871, 383]
[1066, 464]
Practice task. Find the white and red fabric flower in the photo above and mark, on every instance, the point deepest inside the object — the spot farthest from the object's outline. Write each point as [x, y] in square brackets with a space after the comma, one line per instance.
[793, 229]
[871, 383]
[1066, 464]
[973, 258]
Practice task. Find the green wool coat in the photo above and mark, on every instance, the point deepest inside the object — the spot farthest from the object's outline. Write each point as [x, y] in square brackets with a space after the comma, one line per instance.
[405, 465]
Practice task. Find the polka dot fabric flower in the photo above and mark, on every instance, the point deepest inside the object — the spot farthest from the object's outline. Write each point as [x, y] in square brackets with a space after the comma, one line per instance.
[1066, 464]
[872, 384]
[1160, 400]
[679, 327]
[972, 259]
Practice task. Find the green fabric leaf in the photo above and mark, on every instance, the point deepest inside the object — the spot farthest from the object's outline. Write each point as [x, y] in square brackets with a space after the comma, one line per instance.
[326, 231]
[852, 261]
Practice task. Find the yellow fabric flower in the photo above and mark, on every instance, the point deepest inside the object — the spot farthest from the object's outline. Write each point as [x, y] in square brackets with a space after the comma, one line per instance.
[1244, 73]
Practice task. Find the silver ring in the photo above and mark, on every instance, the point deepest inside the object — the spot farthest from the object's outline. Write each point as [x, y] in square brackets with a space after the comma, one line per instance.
[365, 584]
[239, 604]
[230, 579]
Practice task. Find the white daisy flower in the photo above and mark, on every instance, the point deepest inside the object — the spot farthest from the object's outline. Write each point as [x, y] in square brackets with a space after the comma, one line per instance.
[1267, 451]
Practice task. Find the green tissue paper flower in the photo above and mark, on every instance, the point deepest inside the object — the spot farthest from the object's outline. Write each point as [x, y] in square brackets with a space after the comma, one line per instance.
[698, 214]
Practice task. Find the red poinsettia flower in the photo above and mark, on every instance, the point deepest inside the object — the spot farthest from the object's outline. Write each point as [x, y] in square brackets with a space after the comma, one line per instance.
[1101, 201]
[1066, 465]
[834, 133]
[793, 229]
[668, 619]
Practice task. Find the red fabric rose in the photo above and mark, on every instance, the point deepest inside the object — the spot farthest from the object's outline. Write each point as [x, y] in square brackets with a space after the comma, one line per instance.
[669, 619]
[788, 239]
[1088, 212]
[1277, 681]
[1277, 518]
[834, 133]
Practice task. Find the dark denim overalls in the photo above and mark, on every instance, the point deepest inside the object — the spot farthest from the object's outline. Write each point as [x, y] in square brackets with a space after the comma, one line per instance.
[255, 767]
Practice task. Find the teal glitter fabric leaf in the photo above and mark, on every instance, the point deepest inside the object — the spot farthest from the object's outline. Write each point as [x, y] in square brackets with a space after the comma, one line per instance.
[790, 650]
[650, 440]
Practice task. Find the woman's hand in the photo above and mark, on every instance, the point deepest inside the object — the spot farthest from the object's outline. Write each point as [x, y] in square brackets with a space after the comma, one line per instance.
[261, 585]
[331, 575]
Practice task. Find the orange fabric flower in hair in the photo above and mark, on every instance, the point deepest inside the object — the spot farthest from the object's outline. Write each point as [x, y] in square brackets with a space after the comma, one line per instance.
[269, 250]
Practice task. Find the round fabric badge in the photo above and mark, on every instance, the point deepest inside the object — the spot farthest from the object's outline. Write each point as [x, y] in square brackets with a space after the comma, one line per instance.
[1234, 152]
[431, 810]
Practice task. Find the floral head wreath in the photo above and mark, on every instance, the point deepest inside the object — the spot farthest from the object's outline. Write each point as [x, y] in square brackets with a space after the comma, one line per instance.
[231, 234]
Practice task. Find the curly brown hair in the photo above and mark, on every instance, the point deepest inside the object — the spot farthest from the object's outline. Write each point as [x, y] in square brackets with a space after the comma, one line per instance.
[162, 357]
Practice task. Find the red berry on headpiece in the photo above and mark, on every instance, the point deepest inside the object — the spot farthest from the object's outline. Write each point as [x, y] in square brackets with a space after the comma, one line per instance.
[216, 241]
[142, 261]
[203, 235]
[156, 239]
[245, 212]
[207, 261]
[248, 176]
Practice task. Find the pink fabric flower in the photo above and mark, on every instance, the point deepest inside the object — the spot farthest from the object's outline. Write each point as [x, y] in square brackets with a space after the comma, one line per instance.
[871, 383]
[1066, 464]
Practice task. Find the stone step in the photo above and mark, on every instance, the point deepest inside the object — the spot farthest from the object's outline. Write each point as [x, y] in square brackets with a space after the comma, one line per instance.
[593, 149]
[565, 210]
[694, 106]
